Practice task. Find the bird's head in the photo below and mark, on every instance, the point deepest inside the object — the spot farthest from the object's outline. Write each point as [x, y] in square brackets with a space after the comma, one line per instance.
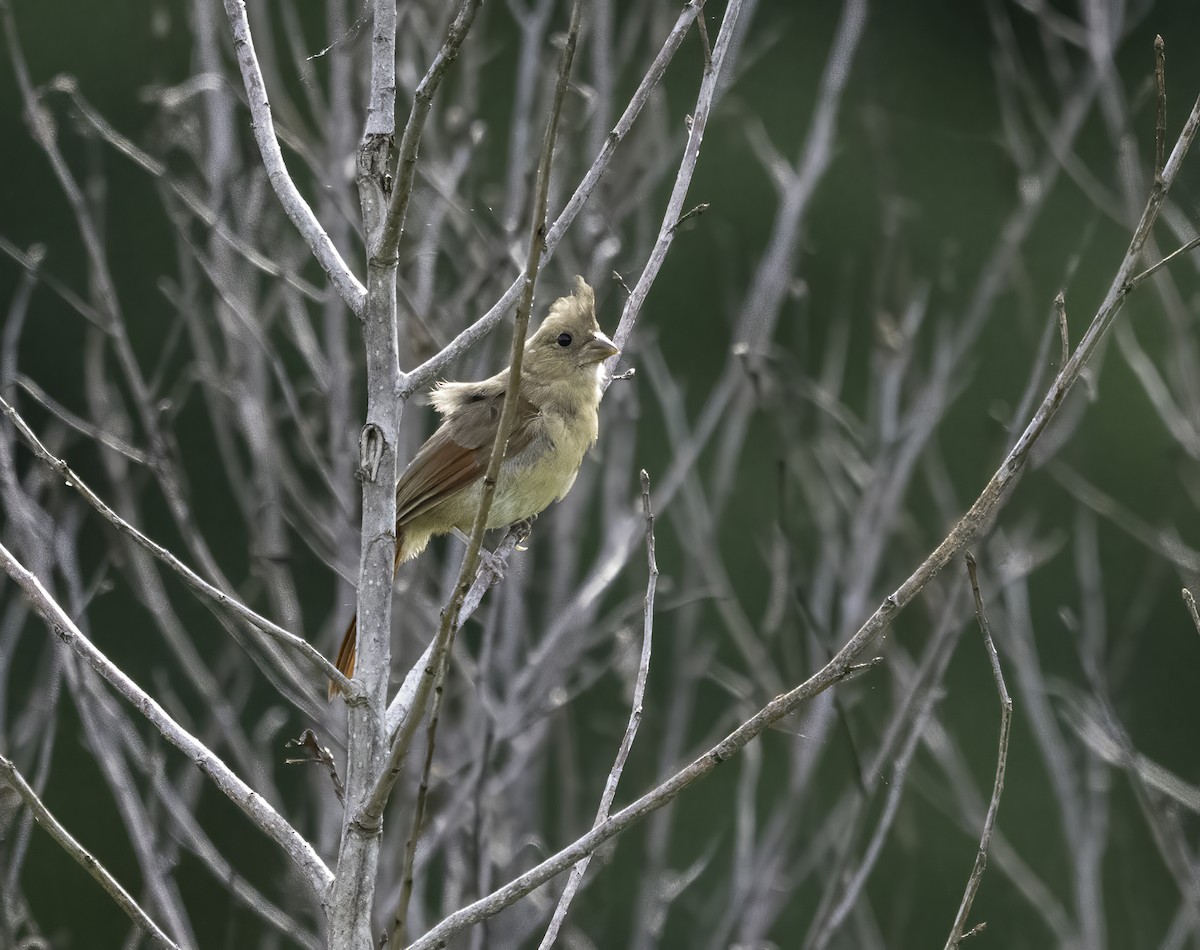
[569, 338]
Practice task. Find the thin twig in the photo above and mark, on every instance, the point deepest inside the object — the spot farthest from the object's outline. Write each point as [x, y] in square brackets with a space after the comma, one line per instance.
[1191, 245]
[635, 718]
[1160, 115]
[193, 580]
[989, 823]
[253, 805]
[319, 754]
[977, 517]
[702, 27]
[348, 286]
[689, 215]
[86, 860]
[1060, 310]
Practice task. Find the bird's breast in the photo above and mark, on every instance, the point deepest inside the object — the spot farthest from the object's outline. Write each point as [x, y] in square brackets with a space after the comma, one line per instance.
[544, 471]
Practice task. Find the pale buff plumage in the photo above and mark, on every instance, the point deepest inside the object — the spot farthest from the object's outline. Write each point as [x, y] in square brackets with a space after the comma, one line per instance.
[557, 422]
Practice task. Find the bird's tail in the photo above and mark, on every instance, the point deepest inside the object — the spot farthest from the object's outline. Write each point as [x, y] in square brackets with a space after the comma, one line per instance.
[347, 653]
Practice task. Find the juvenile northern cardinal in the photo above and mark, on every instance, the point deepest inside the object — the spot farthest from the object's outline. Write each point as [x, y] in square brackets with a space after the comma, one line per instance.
[557, 422]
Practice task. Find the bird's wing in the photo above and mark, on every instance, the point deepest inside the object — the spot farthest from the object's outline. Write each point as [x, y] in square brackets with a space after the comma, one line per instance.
[456, 455]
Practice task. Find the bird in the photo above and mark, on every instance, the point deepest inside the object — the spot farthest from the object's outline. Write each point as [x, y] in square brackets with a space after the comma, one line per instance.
[557, 421]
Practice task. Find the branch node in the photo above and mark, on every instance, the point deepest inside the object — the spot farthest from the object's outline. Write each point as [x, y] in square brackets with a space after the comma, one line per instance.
[371, 443]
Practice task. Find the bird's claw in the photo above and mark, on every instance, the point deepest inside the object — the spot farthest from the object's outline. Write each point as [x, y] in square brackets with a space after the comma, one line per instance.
[523, 529]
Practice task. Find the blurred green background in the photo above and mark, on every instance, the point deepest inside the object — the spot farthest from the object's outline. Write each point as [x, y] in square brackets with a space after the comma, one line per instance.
[921, 171]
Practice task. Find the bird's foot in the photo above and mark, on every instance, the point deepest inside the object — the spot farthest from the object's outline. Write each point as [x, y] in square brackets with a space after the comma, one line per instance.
[490, 562]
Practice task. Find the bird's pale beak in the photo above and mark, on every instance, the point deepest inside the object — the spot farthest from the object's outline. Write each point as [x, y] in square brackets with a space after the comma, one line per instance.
[598, 349]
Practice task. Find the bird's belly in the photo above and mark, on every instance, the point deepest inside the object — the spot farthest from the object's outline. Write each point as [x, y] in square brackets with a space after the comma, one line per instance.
[526, 490]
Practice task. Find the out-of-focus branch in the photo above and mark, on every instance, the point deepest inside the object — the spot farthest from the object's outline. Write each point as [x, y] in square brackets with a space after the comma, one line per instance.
[86, 860]
[193, 580]
[253, 805]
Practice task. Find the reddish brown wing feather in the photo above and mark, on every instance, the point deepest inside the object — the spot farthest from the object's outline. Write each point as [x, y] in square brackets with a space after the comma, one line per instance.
[453, 458]
[457, 455]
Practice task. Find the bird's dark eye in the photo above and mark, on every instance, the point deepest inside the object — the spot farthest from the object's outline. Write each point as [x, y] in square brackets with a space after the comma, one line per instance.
[564, 339]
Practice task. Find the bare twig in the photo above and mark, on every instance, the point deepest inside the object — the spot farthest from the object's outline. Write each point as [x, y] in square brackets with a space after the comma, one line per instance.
[140, 918]
[635, 718]
[702, 27]
[964, 909]
[690, 215]
[1160, 113]
[315, 752]
[1191, 245]
[1060, 310]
